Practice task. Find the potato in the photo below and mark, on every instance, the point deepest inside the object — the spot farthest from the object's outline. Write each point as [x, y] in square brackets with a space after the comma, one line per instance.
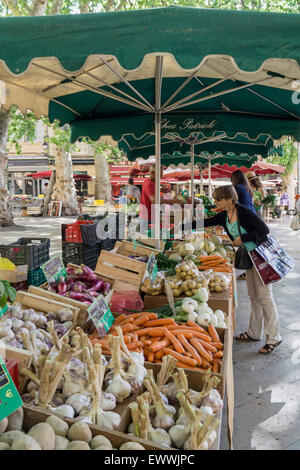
[9, 436]
[78, 445]
[44, 434]
[15, 420]
[131, 446]
[100, 441]
[104, 447]
[61, 443]
[25, 443]
[59, 426]
[80, 431]
[4, 446]
[3, 425]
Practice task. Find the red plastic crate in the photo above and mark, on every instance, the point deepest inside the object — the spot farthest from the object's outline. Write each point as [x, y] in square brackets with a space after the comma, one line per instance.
[72, 232]
[13, 369]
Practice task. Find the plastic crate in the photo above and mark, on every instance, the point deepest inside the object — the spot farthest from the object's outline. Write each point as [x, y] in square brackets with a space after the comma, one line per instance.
[36, 277]
[19, 285]
[72, 232]
[80, 253]
[31, 251]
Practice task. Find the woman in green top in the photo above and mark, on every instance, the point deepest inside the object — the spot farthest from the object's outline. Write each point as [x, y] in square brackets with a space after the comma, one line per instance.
[264, 315]
[184, 192]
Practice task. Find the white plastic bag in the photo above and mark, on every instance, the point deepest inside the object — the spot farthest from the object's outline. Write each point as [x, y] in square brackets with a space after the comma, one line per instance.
[295, 223]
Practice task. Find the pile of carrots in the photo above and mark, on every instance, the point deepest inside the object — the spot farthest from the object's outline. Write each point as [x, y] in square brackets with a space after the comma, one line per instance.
[214, 262]
[193, 346]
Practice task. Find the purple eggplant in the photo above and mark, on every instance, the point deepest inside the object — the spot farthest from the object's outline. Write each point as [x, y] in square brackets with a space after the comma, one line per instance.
[93, 293]
[79, 286]
[86, 269]
[70, 283]
[76, 296]
[105, 287]
[96, 285]
[85, 277]
[62, 286]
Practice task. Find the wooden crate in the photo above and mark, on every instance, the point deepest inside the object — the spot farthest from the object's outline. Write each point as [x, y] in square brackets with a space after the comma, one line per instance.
[120, 268]
[126, 248]
[43, 304]
[10, 352]
[195, 382]
[150, 241]
[34, 415]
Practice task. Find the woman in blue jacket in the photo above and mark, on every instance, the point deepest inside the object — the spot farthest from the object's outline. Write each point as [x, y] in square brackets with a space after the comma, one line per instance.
[245, 194]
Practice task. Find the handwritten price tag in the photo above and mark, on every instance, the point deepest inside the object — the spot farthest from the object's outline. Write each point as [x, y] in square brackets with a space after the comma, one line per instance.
[54, 269]
[101, 315]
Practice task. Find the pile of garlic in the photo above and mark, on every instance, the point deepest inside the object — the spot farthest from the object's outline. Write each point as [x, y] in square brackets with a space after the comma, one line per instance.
[172, 415]
[25, 328]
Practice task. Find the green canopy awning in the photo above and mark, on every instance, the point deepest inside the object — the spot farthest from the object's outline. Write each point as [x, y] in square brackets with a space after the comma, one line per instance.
[239, 150]
[109, 73]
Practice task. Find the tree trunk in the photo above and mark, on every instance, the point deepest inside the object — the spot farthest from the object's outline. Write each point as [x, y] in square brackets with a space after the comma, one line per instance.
[289, 185]
[64, 189]
[6, 214]
[39, 7]
[102, 181]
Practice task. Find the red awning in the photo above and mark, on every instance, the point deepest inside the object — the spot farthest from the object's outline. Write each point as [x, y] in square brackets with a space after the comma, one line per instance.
[47, 175]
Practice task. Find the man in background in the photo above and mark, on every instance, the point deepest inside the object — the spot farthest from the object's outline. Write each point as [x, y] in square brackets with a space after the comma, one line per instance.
[133, 191]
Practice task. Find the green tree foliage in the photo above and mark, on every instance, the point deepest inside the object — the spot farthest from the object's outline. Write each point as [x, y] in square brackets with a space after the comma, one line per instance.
[288, 158]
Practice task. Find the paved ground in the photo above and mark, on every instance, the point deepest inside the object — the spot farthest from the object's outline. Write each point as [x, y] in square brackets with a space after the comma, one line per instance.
[267, 388]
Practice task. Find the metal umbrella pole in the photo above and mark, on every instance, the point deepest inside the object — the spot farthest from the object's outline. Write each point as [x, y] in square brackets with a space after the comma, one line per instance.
[158, 86]
[192, 177]
[209, 177]
[298, 169]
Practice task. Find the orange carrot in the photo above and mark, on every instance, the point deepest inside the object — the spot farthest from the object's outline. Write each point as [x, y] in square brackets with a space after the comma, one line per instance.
[159, 354]
[177, 345]
[160, 322]
[213, 333]
[216, 366]
[159, 345]
[127, 328]
[151, 331]
[196, 326]
[218, 355]
[141, 320]
[207, 346]
[183, 359]
[120, 318]
[203, 353]
[185, 333]
[157, 361]
[218, 345]
[188, 347]
[150, 356]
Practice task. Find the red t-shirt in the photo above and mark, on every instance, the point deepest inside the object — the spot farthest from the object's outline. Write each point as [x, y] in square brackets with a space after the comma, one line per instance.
[148, 190]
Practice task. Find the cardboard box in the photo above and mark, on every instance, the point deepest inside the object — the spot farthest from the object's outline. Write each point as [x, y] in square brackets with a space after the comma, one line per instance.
[195, 382]
[34, 415]
[15, 275]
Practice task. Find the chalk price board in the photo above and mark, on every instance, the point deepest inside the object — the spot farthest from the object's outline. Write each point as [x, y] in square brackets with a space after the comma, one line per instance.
[10, 399]
[54, 269]
[101, 315]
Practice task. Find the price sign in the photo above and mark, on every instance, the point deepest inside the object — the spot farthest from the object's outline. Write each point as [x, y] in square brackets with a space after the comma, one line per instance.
[54, 269]
[152, 268]
[101, 315]
[3, 310]
[10, 399]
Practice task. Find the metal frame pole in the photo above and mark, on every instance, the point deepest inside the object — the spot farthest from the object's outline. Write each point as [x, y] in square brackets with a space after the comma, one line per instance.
[192, 175]
[209, 177]
[298, 169]
[158, 86]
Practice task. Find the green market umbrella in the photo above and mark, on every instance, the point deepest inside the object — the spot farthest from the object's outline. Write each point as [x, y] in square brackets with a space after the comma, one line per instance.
[162, 70]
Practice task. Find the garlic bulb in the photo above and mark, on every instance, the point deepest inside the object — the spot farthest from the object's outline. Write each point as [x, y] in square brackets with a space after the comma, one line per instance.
[108, 419]
[119, 387]
[79, 401]
[63, 410]
[179, 434]
[108, 401]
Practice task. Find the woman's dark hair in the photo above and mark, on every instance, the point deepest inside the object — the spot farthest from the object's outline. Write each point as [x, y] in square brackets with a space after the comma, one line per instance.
[226, 192]
[238, 177]
[130, 181]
